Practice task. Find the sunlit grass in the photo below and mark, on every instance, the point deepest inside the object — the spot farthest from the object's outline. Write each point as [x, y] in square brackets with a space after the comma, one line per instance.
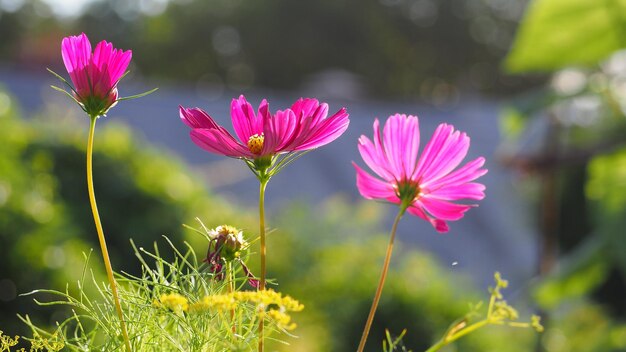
[173, 306]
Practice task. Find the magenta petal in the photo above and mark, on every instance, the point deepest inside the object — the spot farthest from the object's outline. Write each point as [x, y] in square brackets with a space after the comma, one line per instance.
[110, 63]
[401, 142]
[467, 173]
[441, 209]
[470, 190]
[196, 118]
[371, 187]
[305, 107]
[302, 131]
[76, 53]
[452, 152]
[327, 131]
[321, 111]
[283, 125]
[371, 157]
[438, 224]
[246, 123]
[380, 150]
[272, 137]
[432, 149]
[374, 155]
[215, 141]
[100, 75]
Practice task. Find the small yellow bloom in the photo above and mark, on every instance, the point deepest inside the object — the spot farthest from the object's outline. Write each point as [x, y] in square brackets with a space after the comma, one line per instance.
[173, 301]
[272, 305]
[220, 303]
[535, 322]
[6, 342]
[282, 319]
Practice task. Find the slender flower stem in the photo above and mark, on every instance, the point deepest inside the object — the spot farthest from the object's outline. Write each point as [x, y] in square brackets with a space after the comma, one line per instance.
[103, 245]
[381, 283]
[448, 339]
[262, 186]
[231, 289]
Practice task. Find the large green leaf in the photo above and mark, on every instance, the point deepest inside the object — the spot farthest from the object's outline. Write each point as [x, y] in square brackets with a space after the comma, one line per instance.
[559, 33]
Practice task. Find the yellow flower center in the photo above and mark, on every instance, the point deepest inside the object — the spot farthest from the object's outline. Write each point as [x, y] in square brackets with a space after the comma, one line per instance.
[255, 143]
[229, 241]
[226, 230]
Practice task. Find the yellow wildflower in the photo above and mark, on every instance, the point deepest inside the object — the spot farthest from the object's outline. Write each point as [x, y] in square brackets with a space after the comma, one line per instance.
[220, 303]
[272, 305]
[174, 302]
[281, 319]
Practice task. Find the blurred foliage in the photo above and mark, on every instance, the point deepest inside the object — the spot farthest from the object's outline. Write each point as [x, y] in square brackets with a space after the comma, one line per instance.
[418, 49]
[559, 33]
[175, 305]
[581, 326]
[570, 136]
[45, 220]
[333, 263]
[607, 190]
[575, 130]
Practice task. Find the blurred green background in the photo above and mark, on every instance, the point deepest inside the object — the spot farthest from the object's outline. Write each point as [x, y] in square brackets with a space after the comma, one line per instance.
[555, 66]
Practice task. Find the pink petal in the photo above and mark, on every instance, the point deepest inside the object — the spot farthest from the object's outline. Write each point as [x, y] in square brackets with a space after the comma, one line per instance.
[401, 142]
[110, 62]
[76, 53]
[467, 173]
[283, 126]
[438, 224]
[107, 67]
[372, 158]
[245, 119]
[327, 131]
[218, 142]
[272, 138]
[305, 107]
[309, 114]
[301, 132]
[196, 118]
[371, 187]
[320, 113]
[441, 209]
[382, 153]
[449, 156]
[430, 152]
[473, 191]
[262, 116]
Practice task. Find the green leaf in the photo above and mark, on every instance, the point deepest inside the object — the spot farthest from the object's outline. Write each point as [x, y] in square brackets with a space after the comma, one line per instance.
[138, 95]
[559, 33]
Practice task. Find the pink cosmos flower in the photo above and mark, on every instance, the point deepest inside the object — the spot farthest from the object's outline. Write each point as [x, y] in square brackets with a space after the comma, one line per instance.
[424, 186]
[262, 135]
[94, 75]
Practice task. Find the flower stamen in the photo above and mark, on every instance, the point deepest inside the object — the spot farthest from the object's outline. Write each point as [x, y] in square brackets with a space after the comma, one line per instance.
[255, 143]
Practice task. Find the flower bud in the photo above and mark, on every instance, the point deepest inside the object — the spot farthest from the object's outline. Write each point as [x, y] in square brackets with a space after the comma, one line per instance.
[229, 242]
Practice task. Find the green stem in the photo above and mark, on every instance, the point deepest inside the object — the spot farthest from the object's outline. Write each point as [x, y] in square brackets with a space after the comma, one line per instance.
[381, 283]
[448, 339]
[262, 186]
[231, 289]
[103, 245]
